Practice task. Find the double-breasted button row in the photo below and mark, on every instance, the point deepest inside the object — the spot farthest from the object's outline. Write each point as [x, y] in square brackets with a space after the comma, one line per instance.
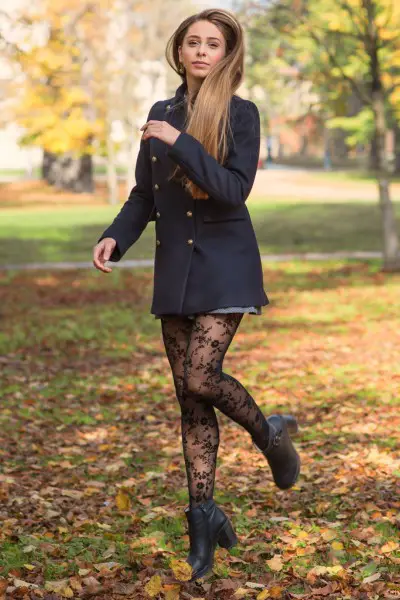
[189, 242]
[189, 213]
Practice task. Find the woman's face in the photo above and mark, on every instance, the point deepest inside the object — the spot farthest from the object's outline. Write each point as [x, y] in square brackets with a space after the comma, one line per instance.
[203, 42]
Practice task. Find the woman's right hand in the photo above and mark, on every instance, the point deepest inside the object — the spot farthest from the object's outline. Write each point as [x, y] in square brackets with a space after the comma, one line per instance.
[102, 252]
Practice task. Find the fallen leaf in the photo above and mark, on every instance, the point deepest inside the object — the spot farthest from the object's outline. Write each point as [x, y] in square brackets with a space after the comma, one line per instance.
[123, 500]
[390, 547]
[153, 586]
[337, 546]
[181, 569]
[371, 578]
[275, 563]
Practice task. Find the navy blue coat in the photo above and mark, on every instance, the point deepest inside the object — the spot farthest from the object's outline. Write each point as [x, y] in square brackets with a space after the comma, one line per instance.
[206, 251]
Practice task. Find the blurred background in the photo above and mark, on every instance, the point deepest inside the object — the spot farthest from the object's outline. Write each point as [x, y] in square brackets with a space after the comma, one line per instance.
[92, 477]
[77, 81]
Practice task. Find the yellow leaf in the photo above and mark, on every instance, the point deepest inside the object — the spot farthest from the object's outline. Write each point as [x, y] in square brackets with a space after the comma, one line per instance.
[240, 593]
[181, 569]
[171, 591]
[123, 500]
[275, 563]
[390, 547]
[335, 570]
[60, 587]
[340, 490]
[276, 591]
[337, 545]
[263, 595]
[329, 535]
[29, 567]
[320, 570]
[153, 586]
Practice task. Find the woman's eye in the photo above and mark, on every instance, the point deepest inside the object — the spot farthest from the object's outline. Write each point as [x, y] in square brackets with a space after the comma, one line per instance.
[212, 45]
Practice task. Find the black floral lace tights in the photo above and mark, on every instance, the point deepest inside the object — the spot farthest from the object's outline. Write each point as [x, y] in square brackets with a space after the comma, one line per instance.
[195, 350]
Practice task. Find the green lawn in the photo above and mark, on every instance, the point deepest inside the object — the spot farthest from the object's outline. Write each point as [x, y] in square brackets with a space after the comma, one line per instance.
[32, 235]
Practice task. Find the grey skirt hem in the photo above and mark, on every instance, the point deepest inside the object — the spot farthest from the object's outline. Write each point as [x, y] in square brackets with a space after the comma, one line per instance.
[254, 310]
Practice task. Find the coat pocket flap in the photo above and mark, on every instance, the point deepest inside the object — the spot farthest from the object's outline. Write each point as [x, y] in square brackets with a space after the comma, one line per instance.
[216, 215]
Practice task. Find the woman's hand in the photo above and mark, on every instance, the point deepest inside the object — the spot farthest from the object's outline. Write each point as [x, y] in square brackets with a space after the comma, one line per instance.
[102, 252]
[161, 130]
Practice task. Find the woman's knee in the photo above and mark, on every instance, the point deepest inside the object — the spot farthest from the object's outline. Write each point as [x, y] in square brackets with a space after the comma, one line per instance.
[203, 386]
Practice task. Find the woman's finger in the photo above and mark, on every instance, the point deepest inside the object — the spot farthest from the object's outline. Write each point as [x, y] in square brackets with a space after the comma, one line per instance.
[98, 259]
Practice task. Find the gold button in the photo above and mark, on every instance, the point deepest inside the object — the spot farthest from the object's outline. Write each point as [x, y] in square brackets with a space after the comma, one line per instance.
[189, 213]
[158, 214]
[156, 186]
[190, 241]
[154, 158]
[158, 242]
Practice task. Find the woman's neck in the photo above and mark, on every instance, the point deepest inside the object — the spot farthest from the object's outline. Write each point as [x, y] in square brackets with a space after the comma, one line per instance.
[193, 86]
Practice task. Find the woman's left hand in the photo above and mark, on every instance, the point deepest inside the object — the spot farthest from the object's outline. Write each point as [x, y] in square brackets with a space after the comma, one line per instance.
[161, 130]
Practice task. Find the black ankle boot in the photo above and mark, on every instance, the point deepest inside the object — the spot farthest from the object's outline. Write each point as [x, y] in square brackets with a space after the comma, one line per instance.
[208, 526]
[282, 457]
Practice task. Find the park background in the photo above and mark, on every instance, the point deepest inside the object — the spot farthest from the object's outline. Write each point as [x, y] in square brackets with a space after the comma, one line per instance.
[92, 481]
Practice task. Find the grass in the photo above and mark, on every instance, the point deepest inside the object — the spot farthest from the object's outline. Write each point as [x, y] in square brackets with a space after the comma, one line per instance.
[69, 234]
[88, 410]
[41, 224]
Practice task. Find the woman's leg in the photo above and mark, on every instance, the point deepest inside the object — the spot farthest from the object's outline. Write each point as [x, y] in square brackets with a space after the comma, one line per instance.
[207, 383]
[200, 433]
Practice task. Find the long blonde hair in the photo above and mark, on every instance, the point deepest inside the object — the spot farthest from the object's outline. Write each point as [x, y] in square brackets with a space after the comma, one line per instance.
[207, 116]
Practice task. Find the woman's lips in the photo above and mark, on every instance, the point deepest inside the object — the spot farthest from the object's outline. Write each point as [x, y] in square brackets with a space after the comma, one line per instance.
[199, 64]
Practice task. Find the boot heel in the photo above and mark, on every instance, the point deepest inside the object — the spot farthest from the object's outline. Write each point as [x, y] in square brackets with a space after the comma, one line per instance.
[291, 424]
[227, 537]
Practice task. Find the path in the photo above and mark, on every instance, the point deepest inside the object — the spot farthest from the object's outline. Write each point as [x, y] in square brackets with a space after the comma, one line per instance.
[309, 184]
[148, 262]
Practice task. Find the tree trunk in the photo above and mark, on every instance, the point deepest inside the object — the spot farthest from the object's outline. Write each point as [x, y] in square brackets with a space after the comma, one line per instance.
[112, 177]
[339, 148]
[391, 247]
[68, 173]
[397, 149]
[327, 149]
[373, 158]
[304, 145]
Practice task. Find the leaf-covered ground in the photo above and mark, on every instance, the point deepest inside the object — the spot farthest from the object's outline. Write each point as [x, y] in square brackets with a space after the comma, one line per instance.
[92, 480]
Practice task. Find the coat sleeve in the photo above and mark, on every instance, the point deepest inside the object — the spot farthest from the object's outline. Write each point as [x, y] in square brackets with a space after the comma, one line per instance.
[229, 185]
[139, 208]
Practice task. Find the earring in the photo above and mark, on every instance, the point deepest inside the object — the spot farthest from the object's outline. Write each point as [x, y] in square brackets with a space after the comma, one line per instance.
[181, 68]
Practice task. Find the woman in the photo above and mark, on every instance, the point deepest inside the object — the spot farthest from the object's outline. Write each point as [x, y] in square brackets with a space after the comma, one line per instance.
[196, 166]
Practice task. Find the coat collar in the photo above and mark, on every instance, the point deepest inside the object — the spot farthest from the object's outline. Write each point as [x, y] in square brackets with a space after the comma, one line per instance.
[180, 92]
[179, 99]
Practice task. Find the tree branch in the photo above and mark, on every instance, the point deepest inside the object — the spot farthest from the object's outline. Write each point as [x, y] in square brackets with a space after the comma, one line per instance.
[357, 89]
